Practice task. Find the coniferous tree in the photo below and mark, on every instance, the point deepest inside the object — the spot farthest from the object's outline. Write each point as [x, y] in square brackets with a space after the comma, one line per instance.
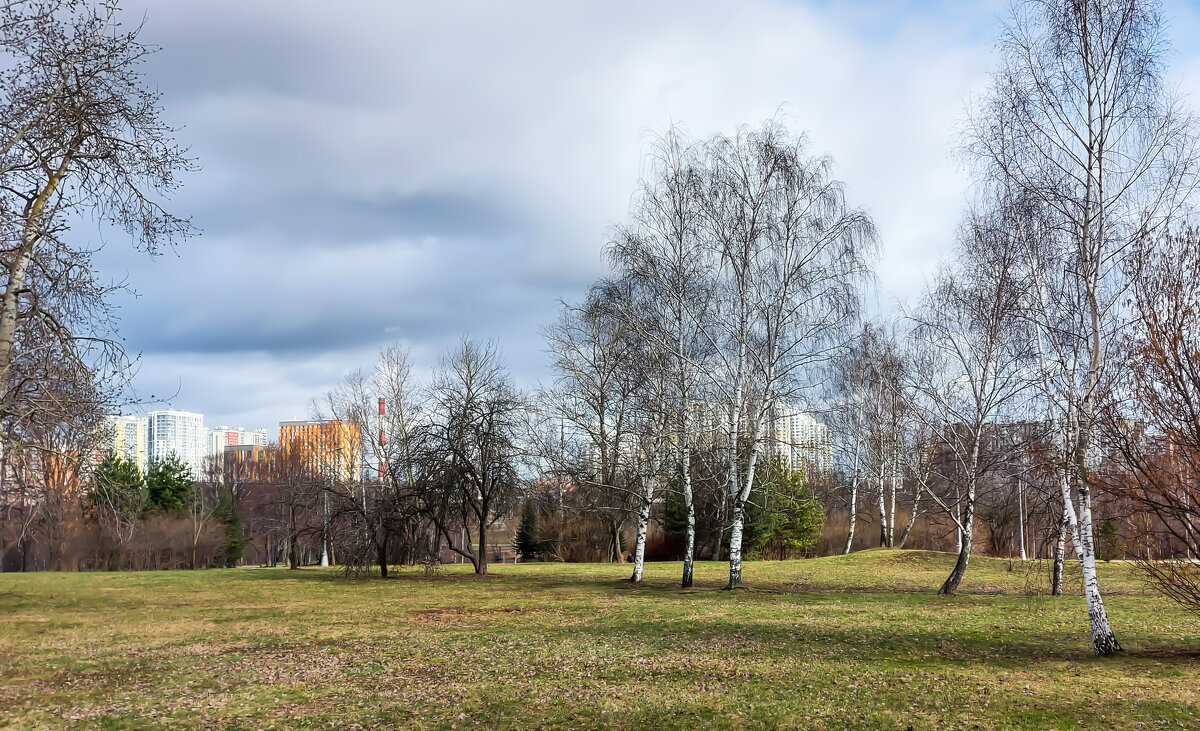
[226, 511]
[525, 542]
[168, 484]
[118, 492]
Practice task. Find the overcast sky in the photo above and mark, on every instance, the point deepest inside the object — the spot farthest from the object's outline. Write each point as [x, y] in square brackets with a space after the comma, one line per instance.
[413, 172]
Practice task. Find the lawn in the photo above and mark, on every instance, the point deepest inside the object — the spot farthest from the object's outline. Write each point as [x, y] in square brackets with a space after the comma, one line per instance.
[843, 642]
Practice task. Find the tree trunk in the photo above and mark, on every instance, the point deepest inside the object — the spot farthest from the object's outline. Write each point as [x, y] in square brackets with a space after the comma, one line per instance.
[966, 538]
[293, 541]
[883, 530]
[17, 274]
[735, 547]
[689, 551]
[891, 522]
[853, 503]
[739, 503]
[643, 524]
[481, 564]
[958, 517]
[912, 519]
[1060, 553]
[1021, 517]
[853, 516]
[689, 505]
[325, 558]
[381, 547]
[1104, 642]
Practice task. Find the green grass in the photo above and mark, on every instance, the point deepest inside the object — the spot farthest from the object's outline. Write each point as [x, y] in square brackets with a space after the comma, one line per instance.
[843, 642]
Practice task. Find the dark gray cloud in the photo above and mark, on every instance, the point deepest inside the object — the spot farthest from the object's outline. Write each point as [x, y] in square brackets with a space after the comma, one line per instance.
[399, 171]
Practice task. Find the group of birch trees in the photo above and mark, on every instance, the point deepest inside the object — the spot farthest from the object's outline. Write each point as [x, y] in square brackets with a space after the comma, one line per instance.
[1055, 348]
[1038, 343]
[732, 286]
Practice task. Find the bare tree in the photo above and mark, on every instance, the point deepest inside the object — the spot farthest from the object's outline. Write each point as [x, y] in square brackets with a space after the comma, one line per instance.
[1078, 119]
[969, 366]
[380, 510]
[662, 252]
[863, 382]
[80, 133]
[471, 473]
[792, 255]
[587, 415]
[1153, 423]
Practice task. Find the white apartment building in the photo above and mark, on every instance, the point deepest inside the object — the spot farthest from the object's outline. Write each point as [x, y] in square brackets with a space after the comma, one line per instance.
[128, 438]
[181, 433]
[791, 433]
[799, 439]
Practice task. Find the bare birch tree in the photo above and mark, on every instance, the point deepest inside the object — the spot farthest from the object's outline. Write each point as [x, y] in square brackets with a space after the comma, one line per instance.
[661, 250]
[970, 366]
[587, 415]
[1078, 118]
[792, 255]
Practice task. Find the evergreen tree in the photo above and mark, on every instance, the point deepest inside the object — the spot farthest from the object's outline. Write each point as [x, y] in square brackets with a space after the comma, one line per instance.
[674, 522]
[169, 484]
[227, 511]
[118, 487]
[525, 542]
[782, 515]
[1111, 545]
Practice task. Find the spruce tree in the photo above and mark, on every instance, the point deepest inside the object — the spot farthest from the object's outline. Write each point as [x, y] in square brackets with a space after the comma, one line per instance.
[118, 485]
[227, 511]
[169, 484]
[525, 542]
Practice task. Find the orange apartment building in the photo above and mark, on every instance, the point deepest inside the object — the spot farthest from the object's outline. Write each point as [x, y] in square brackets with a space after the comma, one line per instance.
[329, 447]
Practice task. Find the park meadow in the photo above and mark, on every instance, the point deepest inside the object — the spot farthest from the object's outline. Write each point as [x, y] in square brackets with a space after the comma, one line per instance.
[859, 641]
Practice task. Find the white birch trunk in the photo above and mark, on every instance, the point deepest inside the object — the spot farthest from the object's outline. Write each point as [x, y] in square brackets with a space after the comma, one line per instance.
[891, 523]
[1060, 555]
[689, 549]
[958, 545]
[854, 488]
[883, 519]
[912, 519]
[325, 533]
[643, 525]
[1104, 642]
[853, 510]
[966, 540]
[739, 502]
[735, 547]
[1021, 517]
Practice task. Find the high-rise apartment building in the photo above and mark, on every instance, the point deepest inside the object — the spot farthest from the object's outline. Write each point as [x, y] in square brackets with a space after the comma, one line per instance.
[181, 433]
[225, 436]
[329, 447]
[127, 437]
[800, 440]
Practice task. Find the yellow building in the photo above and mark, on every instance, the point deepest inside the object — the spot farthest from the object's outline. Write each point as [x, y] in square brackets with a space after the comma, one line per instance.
[128, 437]
[331, 448]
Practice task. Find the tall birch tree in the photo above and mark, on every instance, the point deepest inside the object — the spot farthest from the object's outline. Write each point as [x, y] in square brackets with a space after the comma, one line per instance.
[662, 251]
[970, 365]
[792, 255]
[1077, 116]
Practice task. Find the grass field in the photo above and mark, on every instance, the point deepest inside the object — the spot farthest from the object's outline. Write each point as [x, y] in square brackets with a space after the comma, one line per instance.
[858, 642]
